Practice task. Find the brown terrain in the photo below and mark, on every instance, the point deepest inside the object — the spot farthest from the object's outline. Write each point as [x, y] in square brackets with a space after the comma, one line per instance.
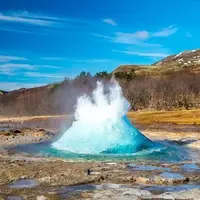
[178, 75]
[40, 115]
[27, 176]
[185, 62]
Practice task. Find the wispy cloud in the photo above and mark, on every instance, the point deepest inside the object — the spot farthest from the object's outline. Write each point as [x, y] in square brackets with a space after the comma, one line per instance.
[102, 36]
[49, 66]
[38, 19]
[28, 19]
[166, 32]
[15, 30]
[72, 60]
[52, 58]
[157, 55]
[44, 75]
[93, 61]
[4, 58]
[109, 21]
[50, 24]
[11, 68]
[50, 18]
[131, 38]
[138, 37]
[18, 66]
[139, 43]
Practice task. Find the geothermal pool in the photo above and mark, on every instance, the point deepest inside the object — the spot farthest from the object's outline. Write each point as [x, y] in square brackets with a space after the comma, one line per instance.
[101, 127]
[101, 131]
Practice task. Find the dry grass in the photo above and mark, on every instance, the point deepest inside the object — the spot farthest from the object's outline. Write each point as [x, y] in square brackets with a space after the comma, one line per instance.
[147, 70]
[27, 118]
[173, 117]
[186, 117]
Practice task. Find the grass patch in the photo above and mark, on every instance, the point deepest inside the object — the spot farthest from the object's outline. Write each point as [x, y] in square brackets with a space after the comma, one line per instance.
[185, 117]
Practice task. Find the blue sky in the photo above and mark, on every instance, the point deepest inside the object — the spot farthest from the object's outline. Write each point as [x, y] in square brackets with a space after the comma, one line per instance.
[44, 41]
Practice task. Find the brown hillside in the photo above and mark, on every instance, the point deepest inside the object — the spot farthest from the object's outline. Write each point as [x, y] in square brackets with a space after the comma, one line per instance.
[183, 58]
[158, 70]
[24, 102]
[58, 98]
[186, 62]
[163, 85]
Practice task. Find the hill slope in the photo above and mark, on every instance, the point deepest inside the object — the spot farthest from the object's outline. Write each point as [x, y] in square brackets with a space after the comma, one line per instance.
[187, 61]
[3, 92]
[158, 91]
[183, 58]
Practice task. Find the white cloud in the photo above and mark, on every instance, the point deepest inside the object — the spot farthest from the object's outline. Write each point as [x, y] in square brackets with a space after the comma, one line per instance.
[12, 68]
[38, 19]
[109, 21]
[92, 61]
[21, 31]
[48, 23]
[18, 66]
[17, 18]
[49, 66]
[9, 86]
[102, 36]
[158, 55]
[139, 37]
[72, 60]
[166, 32]
[52, 58]
[131, 38]
[44, 75]
[142, 35]
[7, 71]
[27, 14]
[4, 58]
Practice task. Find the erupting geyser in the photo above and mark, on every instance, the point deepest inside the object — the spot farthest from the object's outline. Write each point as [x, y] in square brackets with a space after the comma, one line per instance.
[101, 125]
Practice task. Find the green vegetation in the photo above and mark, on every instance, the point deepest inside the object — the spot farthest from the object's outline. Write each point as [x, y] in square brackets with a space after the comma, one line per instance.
[125, 75]
[103, 75]
[160, 70]
[162, 87]
[177, 90]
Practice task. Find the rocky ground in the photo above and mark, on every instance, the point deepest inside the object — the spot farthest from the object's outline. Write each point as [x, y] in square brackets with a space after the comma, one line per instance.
[23, 176]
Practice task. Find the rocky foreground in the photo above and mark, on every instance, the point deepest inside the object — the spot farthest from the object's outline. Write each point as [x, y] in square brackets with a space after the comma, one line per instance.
[24, 176]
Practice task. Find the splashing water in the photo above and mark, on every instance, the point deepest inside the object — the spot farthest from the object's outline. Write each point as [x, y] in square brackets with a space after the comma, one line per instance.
[101, 125]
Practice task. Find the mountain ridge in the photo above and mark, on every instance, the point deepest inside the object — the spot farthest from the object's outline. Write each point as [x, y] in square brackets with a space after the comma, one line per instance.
[186, 62]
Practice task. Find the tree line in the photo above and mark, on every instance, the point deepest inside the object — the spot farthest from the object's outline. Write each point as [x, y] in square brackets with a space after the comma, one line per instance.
[176, 91]
[179, 90]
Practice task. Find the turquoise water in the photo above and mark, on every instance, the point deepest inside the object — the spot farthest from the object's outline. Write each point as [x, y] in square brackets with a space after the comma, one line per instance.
[102, 131]
[110, 137]
[127, 145]
[160, 152]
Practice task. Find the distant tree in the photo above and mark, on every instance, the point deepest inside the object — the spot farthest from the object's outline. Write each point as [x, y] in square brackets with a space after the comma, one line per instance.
[83, 75]
[103, 75]
[125, 75]
[66, 81]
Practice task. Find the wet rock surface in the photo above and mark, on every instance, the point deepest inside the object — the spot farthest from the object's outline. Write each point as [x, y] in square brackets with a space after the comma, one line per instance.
[9, 137]
[47, 178]
[24, 183]
[24, 177]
